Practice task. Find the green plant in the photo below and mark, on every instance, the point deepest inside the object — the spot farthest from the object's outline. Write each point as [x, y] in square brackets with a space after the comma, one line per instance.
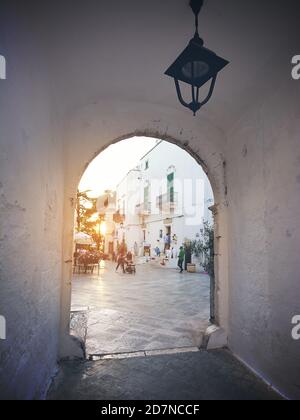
[85, 209]
[205, 247]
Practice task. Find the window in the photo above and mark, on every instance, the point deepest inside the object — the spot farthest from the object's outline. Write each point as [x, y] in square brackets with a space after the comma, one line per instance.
[146, 165]
[146, 195]
[170, 187]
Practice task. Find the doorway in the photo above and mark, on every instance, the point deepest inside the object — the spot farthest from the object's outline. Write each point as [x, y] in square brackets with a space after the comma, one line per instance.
[154, 308]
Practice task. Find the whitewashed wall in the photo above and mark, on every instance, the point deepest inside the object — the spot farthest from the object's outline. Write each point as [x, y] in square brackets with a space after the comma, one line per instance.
[106, 83]
[31, 206]
[193, 197]
[264, 208]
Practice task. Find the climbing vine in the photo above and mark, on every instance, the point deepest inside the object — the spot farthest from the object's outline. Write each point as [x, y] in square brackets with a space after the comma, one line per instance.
[205, 247]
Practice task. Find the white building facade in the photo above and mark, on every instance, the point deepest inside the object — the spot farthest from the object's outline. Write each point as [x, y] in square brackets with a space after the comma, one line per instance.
[164, 200]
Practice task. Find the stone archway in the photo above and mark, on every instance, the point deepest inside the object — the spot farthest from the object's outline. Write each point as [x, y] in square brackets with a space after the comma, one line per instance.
[88, 135]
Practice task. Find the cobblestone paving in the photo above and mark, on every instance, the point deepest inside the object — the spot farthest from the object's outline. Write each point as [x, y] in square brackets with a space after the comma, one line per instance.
[158, 308]
[214, 375]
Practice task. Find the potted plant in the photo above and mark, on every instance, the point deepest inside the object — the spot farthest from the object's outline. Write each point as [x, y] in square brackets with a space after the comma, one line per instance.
[204, 247]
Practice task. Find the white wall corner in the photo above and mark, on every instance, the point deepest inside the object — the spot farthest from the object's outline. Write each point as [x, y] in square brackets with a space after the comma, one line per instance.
[215, 338]
[72, 348]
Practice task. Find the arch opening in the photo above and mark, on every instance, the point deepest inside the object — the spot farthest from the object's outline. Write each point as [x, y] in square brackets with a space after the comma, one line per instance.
[160, 212]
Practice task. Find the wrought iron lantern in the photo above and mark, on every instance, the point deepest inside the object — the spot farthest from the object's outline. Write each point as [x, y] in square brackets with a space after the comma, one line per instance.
[196, 66]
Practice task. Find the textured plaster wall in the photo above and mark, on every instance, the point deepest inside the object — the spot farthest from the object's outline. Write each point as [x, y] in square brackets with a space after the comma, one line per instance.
[63, 65]
[264, 225]
[30, 215]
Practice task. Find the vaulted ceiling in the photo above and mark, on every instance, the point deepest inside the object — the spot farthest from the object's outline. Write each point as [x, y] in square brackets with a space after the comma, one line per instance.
[120, 49]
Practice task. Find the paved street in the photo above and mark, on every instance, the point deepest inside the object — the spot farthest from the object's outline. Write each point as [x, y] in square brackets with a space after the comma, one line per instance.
[201, 375]
[158, 308]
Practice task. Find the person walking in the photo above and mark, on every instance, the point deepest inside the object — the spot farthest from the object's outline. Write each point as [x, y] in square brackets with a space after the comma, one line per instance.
[181, 257]
[167, 241]
[157, 250]
[121, 262]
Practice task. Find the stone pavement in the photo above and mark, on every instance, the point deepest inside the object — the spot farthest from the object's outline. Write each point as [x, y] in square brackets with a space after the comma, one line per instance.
[202, 375]
[158, 308]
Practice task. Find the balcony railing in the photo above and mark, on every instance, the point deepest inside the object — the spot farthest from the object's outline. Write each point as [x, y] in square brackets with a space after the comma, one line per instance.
[143, 209]
[167, 202]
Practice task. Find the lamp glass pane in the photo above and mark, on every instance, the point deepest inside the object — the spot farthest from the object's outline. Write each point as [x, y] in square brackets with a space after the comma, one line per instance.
[195, 69]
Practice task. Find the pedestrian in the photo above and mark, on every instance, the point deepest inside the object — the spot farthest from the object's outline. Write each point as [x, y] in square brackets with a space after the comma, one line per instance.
[157, 251]
[121, 262]
[129, 257]
[181, 258]
[167, 241]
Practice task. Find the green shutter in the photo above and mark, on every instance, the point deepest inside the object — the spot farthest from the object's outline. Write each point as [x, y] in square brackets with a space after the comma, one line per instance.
[170, 179]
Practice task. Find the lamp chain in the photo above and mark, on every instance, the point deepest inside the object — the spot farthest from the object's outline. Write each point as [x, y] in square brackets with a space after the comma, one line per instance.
[196, 6]
[197, 25]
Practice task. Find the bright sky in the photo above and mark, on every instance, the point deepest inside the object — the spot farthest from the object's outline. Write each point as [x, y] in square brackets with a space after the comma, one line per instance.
[113, 164]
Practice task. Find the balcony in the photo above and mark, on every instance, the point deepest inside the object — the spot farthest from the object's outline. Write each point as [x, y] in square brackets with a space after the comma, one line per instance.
[143, 209]
[106, 203]
[118, 218]
[167, 203]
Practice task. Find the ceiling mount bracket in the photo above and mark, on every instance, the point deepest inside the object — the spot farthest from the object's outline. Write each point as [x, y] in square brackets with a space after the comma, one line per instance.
[196, 6]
